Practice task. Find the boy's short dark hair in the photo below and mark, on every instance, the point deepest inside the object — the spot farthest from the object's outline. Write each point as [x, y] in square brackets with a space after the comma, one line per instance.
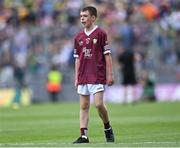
[92, 10]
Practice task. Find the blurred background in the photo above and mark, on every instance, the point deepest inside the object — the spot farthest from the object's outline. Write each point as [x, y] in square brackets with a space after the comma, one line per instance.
[36, 34]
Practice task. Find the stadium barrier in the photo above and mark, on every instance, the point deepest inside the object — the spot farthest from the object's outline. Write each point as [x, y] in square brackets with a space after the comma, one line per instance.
[11, 96]
[163, 92]
[113, 94]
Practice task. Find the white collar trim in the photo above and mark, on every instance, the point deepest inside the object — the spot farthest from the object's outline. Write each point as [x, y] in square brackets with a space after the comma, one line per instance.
[89, 32]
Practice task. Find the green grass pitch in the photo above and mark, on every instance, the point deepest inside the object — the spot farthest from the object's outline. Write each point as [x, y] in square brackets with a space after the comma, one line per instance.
[57, 125]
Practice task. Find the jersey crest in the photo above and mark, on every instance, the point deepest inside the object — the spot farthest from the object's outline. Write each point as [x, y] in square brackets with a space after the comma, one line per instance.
[94, 41]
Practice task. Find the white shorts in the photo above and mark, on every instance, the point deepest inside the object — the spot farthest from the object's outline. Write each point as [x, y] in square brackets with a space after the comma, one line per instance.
[87, 89]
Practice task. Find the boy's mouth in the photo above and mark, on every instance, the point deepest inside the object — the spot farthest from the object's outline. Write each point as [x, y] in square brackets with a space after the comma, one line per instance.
[83, 23]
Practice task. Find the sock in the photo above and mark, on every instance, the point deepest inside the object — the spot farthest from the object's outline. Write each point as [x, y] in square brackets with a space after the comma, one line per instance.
[107, 125]
[84, 132]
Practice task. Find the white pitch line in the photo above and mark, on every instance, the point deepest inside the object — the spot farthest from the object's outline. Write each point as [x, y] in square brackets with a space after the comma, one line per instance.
[152, 142]
[56, 143]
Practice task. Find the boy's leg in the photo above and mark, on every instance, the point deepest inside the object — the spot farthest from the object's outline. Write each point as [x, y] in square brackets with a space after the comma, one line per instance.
[84, 110]
[84, 119]
[101, 108]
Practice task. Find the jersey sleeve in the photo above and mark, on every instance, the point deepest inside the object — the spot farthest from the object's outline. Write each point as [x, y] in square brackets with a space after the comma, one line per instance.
[106, 47]
[75, 55]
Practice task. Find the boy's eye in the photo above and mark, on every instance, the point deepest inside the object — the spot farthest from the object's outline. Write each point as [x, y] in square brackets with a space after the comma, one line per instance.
[83, 15]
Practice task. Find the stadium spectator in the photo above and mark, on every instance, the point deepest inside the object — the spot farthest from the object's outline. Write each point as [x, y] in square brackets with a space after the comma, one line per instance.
[20, 77]
[148, 9]
[148, 87]
[63, 57]
[127, 35]
[54, 81]
[93, 69]
[126, 60]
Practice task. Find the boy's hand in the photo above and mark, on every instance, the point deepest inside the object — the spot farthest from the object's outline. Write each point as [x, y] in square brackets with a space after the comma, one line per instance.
[75, 83]
[110, 80]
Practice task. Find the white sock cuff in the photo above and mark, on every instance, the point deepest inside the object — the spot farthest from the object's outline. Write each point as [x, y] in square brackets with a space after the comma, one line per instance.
[107, 129]
[83, 136]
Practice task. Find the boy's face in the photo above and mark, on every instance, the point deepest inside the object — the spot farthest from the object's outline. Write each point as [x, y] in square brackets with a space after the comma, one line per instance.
[86, 19]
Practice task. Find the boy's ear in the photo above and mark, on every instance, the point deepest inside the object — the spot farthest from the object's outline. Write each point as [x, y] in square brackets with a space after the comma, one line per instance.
[94, 18]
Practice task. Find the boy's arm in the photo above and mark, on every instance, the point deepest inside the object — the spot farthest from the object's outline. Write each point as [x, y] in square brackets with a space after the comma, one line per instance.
[109, 70]
[76, 71]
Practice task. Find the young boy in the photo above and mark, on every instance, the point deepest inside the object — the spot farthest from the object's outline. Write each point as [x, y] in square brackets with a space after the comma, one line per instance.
[93, 70]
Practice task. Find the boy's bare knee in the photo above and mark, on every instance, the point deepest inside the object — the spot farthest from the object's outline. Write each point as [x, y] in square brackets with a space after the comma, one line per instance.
[84, 106]
[99, 106]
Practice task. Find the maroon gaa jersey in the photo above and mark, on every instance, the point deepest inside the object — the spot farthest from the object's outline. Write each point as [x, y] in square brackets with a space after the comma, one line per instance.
[90, 48]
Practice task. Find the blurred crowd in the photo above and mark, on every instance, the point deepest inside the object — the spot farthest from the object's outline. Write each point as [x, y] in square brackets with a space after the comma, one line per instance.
[37, 33]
